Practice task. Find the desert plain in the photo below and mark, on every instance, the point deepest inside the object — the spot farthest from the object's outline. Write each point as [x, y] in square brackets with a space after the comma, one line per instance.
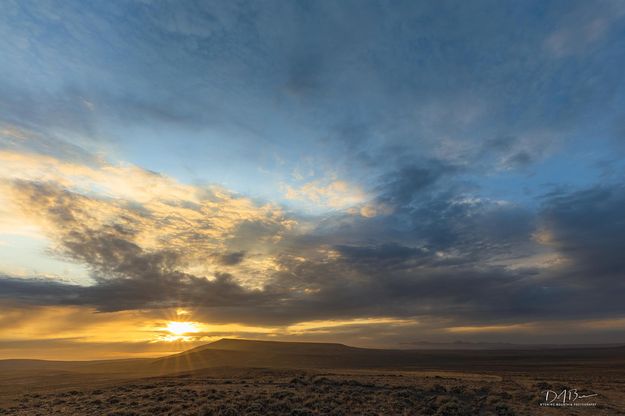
[242, 377]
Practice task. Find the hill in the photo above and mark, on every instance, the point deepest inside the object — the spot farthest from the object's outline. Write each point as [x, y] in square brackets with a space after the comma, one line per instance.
[234, 344]
[272, 354]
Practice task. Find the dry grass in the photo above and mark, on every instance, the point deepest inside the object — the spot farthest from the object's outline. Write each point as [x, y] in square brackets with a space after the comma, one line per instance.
[231, 392]
[259, 378]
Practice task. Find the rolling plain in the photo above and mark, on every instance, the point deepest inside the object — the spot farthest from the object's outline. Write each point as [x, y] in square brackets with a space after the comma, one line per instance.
[243, 377]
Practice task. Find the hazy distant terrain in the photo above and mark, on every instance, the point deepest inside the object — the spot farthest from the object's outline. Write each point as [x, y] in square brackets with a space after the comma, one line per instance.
[232, 377]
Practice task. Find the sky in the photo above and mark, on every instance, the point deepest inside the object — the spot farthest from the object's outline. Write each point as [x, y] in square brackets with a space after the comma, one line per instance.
[378, 173]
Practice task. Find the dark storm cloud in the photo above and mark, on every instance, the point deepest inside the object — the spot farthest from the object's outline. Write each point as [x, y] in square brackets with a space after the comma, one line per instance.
[479, 228]
[588, 227]
[384, 256]
[153, 289]
[231, 259]
[446, 271]
[37, 291]
[433, 211]
[443, 263]
[169, 289]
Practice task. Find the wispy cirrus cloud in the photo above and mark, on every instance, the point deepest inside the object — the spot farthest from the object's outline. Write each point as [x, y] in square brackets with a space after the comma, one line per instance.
[584, 26]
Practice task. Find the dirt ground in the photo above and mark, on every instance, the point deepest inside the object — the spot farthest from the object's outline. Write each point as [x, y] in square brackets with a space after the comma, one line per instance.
[231, 392]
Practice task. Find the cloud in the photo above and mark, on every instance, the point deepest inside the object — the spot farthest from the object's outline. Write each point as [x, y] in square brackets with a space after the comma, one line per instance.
[231, 259]
[385, 256]
[584, 26]
[463, 260]
[425, 134]
[399, 188]
[336, 194]
[114, 235]
[588, 227]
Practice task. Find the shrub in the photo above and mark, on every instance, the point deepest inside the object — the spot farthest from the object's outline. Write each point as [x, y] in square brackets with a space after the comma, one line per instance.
[453, 408]
[502, 409]
[438, 388]
[206, 411]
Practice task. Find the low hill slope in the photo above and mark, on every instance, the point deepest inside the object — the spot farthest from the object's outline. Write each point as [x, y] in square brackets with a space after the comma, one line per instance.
[247, 353]
[232, 344]
[272, 354]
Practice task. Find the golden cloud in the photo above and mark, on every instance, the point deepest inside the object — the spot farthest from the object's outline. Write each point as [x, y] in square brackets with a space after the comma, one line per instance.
[60, 199]
[336, 194]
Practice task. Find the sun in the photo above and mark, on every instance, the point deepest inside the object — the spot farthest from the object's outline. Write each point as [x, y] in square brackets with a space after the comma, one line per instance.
[181, 328]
